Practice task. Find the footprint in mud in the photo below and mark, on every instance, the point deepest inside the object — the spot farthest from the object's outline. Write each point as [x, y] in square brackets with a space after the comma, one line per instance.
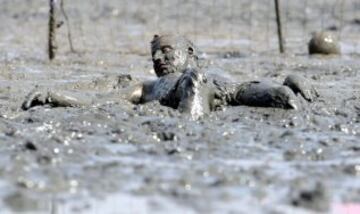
[310, 195]
[20, 202]
[164, 130]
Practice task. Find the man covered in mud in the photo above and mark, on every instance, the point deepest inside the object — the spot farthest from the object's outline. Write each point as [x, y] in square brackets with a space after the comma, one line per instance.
[182, 84]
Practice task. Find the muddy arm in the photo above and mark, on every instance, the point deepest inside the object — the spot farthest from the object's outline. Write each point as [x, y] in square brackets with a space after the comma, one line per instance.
[142, 92]
[262, 94]
[193, 94]
[67, 99]
[34, 98]
[302, 86]
[39, 97]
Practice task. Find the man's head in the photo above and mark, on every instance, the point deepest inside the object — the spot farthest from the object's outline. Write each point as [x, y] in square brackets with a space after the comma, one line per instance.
[171, 54]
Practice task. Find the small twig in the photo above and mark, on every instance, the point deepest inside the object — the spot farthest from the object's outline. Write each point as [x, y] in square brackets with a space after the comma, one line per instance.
[323, 9]
[72, 49]
[304, 21]
[251, 28]
[268, 27]
[342, 6]
[279, 29]
[52, 30]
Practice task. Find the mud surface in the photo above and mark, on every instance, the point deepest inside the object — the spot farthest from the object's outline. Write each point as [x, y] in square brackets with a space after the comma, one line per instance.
[115, 157]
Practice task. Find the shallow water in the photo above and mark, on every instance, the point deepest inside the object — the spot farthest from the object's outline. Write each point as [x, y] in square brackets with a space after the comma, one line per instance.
[115, 157]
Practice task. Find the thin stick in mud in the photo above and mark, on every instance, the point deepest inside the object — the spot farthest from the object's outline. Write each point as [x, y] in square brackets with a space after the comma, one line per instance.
[72, 49]
[52, 30]
[279, 28]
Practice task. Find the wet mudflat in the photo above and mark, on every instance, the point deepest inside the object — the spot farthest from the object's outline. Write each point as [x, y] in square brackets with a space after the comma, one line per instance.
[116, 157]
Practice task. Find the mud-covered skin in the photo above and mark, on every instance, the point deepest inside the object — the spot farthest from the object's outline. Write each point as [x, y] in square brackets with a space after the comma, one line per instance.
[186, 92]
[299, 84]
[323, 43]
[190, 94]
[53, 99]
[183, 85]
[70, 97]
[156, 90]
[264, 94]
[172, 54]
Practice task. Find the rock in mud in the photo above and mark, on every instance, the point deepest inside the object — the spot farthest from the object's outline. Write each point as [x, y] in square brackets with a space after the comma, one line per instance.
[324, 43]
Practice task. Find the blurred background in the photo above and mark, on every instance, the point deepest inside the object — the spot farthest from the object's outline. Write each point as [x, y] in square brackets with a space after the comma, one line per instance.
[244, 26]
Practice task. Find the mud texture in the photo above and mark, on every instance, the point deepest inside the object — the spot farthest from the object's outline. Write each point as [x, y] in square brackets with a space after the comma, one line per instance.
[116, 157]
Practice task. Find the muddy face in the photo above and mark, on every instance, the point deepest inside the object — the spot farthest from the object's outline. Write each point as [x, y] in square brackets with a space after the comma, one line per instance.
[324, 43]
[170, 54]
